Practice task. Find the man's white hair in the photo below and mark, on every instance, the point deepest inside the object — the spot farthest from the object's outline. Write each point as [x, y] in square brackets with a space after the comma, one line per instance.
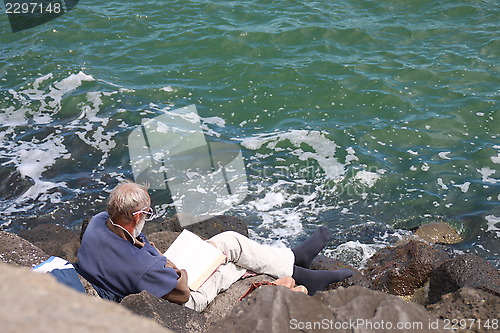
[125, 199]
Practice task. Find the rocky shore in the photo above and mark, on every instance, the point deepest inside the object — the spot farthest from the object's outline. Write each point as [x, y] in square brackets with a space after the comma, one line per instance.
[416, 286]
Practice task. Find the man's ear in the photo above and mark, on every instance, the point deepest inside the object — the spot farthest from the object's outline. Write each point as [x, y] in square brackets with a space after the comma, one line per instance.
[136, 218]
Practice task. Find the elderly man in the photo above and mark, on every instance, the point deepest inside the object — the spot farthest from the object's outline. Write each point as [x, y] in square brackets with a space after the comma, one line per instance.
[119, 260]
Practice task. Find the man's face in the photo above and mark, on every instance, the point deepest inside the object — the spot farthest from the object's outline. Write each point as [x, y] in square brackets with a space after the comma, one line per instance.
[139, 226]
[145, 214]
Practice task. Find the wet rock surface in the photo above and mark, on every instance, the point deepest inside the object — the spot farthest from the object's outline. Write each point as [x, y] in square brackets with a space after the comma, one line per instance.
[467, 270]
[353, 309]
[173, 316]
[439, 232]
[205, 229]
[407, 269]
[163, 239]
[403, 269]
[18, 251]
[223, 304]
[54, 239]
[469, 310]
[35, 302]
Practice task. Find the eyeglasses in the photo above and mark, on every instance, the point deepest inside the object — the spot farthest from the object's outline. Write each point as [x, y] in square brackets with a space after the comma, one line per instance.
[150, 214]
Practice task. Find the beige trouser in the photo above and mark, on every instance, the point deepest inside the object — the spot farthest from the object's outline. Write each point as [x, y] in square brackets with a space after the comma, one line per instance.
[242, 254]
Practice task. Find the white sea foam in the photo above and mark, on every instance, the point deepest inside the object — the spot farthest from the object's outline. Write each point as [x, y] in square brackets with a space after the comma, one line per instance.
[282, 205]
[496, 159]
[464, 187]
[354, 253]
[270, 200]
[492, 222]
[486, 172]
[351, 155]
[33, 158]
[214, 120]
[295, 194]
[89, 112]
[444, 155]
[13, 117]
[49, 97]
[91, 128]
[322, 149]
[412, 152]
[37, 105]
[442, 184]
[168, 89]
[367, 178]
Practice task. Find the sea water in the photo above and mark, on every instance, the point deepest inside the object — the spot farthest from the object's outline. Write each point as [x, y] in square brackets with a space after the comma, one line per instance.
[369, 117]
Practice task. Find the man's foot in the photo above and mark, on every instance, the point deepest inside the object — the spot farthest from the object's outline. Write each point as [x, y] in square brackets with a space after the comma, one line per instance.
[318, 280]
[307, 250]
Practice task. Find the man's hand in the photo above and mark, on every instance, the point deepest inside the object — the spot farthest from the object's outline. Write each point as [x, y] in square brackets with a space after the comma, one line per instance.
[181, 293]
[183, 276]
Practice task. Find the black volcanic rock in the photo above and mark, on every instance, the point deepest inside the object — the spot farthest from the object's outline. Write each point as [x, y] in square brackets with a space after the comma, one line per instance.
[54, 240]
[354, 309]
[467, 270]
[403, 269]
[475, 308]
[205, 228]
[18, 251]
[170, 315]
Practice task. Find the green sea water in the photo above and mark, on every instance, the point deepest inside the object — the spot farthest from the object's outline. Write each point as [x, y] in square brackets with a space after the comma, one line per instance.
[367, 116]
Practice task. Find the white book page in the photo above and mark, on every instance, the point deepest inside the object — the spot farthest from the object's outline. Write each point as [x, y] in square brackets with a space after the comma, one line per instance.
[199, 258]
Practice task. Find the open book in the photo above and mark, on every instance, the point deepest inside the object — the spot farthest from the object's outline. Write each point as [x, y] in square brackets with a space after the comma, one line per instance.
[199, 258]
